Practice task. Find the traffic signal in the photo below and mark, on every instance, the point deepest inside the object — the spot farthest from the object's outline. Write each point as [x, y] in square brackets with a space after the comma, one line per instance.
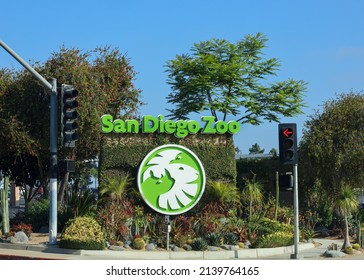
[69, 128]
[288, 143]
[286, 182]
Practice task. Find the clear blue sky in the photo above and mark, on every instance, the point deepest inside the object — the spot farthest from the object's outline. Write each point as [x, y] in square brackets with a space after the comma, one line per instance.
[320, 42]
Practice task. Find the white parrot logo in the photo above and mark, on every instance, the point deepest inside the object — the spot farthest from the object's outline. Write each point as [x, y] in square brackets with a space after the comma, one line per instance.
[182, 174]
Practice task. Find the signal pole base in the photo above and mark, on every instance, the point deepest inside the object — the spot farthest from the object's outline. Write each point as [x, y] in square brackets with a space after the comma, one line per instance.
[296, 257]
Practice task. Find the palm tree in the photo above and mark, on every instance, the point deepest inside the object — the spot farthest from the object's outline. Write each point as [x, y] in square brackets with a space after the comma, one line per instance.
[345, 203]
[115, 188]
[252, 193]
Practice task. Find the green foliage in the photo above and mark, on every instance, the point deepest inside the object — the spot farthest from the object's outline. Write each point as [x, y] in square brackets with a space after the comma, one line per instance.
[214, 239]
[230, 238]
[122, 154]
[268, 226]
[275, 239]
[334, 138]
[199, 244]
[83, 233]
[138, 243]
[252, 194]
[115, 188]
[37, 213]
[349, 250]
[356, 246]
[255, 149]
[82, 202]
[227, 195]
[104, 78]
[229, 80]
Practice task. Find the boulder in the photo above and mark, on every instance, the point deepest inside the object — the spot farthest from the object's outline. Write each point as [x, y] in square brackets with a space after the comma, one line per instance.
[334, 254]
[19, 237]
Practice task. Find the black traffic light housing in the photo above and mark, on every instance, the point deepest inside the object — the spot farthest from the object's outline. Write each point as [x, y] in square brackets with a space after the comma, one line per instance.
[69, 115]
[286, 182]
[288, 143]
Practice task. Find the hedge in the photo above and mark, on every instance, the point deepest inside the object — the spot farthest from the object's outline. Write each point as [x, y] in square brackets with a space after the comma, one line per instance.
[123, 153]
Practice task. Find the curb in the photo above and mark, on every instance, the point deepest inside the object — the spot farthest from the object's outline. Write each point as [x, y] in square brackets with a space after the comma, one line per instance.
[160, 255]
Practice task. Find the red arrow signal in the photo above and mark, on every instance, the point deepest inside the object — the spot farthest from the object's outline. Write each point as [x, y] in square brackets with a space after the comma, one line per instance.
[288, 132]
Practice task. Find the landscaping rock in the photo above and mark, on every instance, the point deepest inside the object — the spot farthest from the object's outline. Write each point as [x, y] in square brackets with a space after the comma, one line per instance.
[187, 247]
[322, 231]
[334, 254]
[212, 248]
[116, 248]
[247, 244]
[19, 237]
[43, 229]
[175, 248]
[150, 247]
[233, 247]
[225, 247]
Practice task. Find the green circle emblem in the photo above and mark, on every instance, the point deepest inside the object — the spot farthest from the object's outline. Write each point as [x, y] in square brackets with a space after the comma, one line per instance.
[171, 179]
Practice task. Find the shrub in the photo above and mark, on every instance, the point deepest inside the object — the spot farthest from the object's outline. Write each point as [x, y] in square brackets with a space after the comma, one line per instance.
[199, 244]
[213, 239]
[26, 228]
[37, 213]
[349, 250]
[231, 238]
[276, 239]
[138, 243]
[83, 233]
[356, 246]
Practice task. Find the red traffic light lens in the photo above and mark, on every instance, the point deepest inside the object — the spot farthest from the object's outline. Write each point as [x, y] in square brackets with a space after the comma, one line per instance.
[288, 132]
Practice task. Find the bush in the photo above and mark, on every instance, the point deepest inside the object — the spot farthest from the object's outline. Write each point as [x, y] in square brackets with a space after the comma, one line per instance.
[113, 219]
[138, 243]
[356, 246]
[213, 239]
[349, 250]
[26, 228]
[37, 213]
[276, 239]
[83, 233]
[231, 238]
[199, 244]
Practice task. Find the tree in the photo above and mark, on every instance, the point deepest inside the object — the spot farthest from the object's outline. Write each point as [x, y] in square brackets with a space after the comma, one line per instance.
[345, 203]
[331, 150]
[230, 80]
[104, 79]
[273, 152]
[255, 149]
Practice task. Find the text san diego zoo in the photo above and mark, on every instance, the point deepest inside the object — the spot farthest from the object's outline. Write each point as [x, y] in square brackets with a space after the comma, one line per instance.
[180, 128]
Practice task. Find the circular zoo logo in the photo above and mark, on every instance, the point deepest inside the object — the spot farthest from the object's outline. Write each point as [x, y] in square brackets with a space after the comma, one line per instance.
[171, 179]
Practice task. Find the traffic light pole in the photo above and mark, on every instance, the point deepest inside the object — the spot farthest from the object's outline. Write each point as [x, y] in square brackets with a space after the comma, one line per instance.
[53, 141]
[295, 255]
[53, 166]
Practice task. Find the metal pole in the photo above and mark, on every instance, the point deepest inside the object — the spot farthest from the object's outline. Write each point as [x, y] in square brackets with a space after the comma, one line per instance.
[296, 212]
[53, 166]
[26, 65]
[168, 230]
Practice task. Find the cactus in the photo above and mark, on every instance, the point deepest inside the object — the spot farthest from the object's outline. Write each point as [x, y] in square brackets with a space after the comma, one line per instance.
[5, 206]
[138, 243]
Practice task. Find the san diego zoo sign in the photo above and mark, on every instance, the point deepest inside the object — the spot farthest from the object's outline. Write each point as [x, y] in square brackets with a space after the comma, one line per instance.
[171, 178]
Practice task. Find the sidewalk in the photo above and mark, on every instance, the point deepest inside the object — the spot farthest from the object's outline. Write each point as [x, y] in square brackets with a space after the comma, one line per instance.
[306, 251]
